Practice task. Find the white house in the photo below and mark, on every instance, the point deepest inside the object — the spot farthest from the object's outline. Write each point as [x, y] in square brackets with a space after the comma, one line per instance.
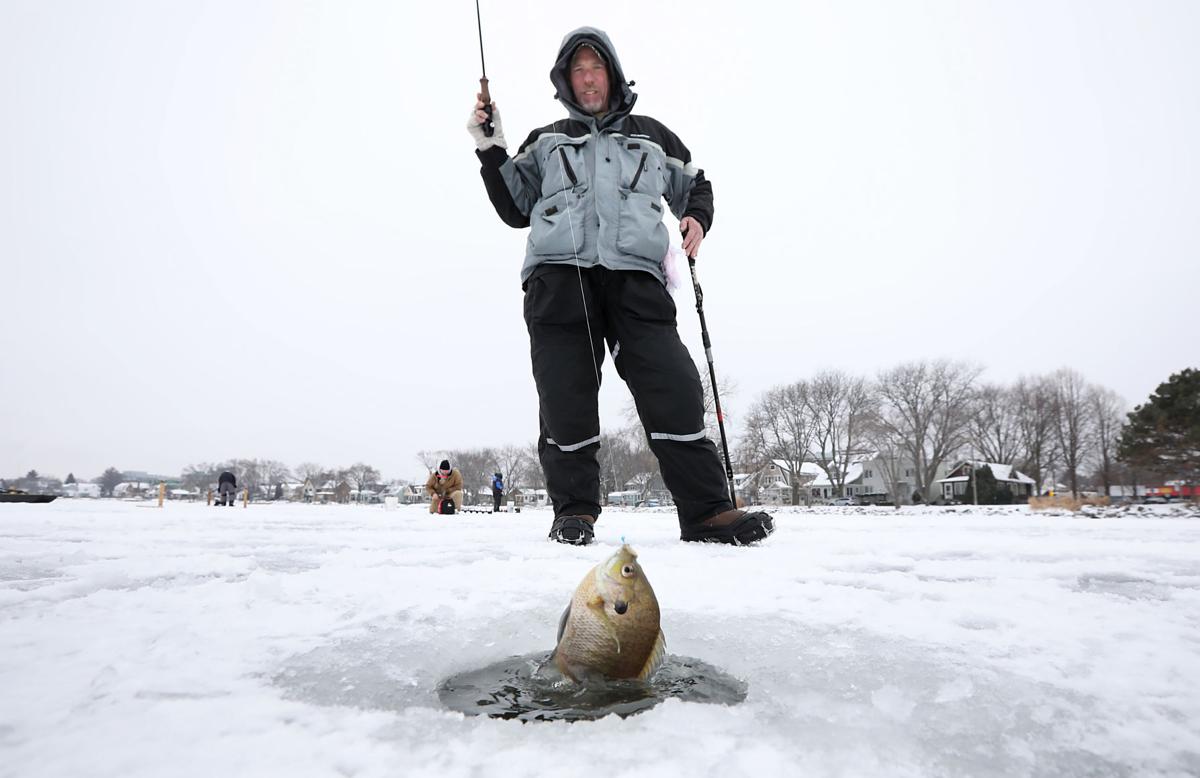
[627, 497]
[81, 490]
[866, 479]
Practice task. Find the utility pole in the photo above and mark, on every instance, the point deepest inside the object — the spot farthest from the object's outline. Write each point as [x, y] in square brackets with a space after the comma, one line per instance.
[974, 489]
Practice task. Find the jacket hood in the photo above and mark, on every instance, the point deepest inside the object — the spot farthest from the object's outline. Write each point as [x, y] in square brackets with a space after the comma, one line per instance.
[620, 99]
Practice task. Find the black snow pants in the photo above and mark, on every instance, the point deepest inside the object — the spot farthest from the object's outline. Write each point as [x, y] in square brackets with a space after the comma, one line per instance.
[632, 312]
[496, 495]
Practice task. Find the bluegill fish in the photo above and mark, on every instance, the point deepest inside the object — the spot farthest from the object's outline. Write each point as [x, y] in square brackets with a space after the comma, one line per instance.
[611, 627]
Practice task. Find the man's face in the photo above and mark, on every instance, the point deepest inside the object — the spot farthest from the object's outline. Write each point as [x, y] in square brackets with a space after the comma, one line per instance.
[589, 79]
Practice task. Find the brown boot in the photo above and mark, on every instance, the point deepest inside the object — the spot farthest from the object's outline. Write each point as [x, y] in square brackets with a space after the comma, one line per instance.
[737, 527]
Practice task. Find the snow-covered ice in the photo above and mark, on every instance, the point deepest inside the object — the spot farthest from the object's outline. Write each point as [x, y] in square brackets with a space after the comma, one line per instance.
[299, 640]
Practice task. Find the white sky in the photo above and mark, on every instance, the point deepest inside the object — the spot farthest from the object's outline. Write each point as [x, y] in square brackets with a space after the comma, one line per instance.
[258, 230]
[307, 640]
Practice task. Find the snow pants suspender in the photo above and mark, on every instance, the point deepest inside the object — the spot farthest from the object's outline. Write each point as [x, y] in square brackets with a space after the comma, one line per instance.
[635, 315]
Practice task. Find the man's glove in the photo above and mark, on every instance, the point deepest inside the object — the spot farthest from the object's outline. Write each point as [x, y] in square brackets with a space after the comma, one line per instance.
[475, 127]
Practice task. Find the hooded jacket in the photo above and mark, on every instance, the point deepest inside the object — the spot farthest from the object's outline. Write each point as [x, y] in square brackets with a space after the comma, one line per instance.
[591, 189]
[444, 487]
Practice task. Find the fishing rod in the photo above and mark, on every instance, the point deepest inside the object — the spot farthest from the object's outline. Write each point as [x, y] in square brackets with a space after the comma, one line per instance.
[712, 377]
[488, 126]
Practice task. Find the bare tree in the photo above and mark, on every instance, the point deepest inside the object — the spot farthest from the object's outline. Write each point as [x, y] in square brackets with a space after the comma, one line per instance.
[994, 424]
[200, 476]
[250, 475]
[273, 472]
[927, 404]
[535, 477]
[780, 427]
[1108, 417]
[625, 456]
[838, 406]
[1073, 427]
[512, 462]
[431, 459]
[476, 466]
[362, 476]
[1034, 398]
[309, 471]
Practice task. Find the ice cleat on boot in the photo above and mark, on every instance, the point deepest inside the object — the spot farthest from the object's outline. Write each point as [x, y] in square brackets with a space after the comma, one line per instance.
[573, 530]
[736, 527]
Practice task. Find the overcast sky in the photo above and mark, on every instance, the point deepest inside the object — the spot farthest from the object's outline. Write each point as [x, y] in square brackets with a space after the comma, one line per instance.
[253, 229]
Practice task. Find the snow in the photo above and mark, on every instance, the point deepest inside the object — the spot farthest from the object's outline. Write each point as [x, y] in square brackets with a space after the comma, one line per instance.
[308, 640]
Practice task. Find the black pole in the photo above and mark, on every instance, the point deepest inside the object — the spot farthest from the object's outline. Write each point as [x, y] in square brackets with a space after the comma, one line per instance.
[488, 127]
[712, 377]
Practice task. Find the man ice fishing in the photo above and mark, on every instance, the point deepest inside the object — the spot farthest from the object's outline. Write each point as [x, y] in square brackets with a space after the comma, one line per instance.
[590, 187]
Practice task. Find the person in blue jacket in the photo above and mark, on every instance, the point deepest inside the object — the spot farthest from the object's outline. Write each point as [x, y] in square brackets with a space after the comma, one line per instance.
[497, 491]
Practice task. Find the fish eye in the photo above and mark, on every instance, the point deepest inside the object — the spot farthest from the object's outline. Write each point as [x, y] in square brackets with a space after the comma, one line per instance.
[627, 571]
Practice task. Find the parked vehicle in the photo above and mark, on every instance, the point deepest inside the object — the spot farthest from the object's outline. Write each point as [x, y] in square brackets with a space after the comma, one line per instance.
[845, 501]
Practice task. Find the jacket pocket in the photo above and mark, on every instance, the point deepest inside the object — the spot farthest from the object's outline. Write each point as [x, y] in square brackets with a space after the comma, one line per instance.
[640, 230]
[557, 224]
[565, 167]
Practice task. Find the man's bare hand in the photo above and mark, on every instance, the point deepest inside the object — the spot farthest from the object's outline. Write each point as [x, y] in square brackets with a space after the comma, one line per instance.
[693, 234]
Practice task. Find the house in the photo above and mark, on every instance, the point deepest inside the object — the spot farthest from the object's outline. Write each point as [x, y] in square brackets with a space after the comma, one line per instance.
[957, 485]
[627, 498]
[534, 498]
[81, 490]
[132, 489]
[412, 493]
[651, 487]
[333, 492]
[775, 482]
[866, 479]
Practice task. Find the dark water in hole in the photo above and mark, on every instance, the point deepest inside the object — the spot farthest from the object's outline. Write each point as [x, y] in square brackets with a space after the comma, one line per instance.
[530, 688]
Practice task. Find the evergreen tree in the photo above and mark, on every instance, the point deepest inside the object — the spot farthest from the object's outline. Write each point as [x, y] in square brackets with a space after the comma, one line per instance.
[70, 478]
[1163, 435]
[112, 476]
[985, 487]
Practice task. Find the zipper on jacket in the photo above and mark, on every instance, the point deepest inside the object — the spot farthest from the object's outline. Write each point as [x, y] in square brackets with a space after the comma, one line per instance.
[641, 167]
[567, 166]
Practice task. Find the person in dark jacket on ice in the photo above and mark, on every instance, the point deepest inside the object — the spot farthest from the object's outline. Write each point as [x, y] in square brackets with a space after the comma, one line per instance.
[497, 491]
[226, 488]
[590, 188]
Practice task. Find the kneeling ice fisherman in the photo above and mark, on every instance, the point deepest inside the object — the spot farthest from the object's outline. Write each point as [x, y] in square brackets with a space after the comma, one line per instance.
[610, 629]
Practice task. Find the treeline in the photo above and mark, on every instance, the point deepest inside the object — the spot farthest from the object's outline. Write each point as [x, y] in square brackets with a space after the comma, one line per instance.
[921, 416]
[918, 417]
[262, 475]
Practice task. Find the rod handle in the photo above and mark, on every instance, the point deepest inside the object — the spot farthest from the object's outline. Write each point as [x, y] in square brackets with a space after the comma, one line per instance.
[489, 128]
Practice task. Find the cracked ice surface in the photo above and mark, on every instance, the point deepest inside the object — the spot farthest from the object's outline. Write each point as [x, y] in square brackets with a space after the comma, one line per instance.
[309, 640]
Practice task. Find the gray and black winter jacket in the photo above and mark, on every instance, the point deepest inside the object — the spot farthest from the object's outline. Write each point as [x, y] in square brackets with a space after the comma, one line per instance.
[592, 190]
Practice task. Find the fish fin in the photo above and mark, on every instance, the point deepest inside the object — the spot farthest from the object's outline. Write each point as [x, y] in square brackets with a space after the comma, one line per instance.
[597, 604]
[655, 660]
[562, 623]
